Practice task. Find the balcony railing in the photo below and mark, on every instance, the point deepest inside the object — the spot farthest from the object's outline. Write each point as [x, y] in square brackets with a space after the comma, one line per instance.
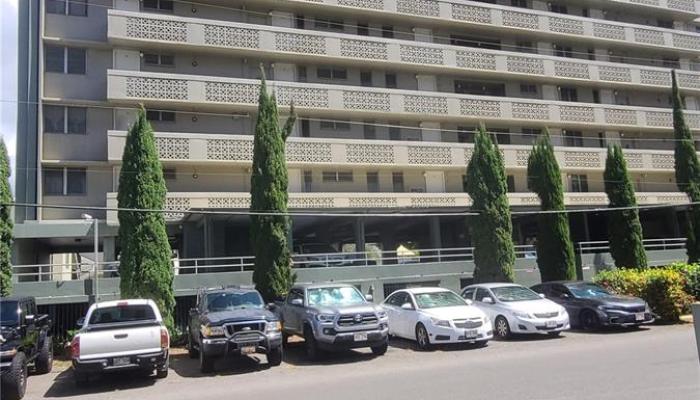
[175, 90]
[138, 28]
[178, 203]
[238, 149]
[527, 20]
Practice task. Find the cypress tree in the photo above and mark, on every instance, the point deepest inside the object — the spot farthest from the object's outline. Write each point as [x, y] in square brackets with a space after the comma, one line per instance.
[624, 229]
[555, 251]
[492, 229]
[145, 264]
[687, 172]
[273, 275]
[6, 224]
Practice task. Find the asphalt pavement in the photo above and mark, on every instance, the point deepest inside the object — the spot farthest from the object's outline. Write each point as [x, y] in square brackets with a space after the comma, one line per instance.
[658, 362]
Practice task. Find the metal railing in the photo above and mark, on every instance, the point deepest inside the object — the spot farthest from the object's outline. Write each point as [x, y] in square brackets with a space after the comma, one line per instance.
[649, 245]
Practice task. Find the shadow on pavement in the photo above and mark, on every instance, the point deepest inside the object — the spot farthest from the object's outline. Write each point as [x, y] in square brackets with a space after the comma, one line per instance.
[295, 354]
[405, 344]
[64, 384]
[613, 330]
[187, 367]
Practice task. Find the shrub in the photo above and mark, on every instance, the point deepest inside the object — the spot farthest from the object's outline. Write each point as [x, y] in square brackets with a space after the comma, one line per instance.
[691, 274]
[662, 288]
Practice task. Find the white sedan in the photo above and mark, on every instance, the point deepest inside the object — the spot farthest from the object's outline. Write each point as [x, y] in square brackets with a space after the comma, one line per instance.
[517, 309]
[436, 315]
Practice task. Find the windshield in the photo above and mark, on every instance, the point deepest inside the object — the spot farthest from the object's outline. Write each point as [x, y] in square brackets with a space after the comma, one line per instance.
[116, 314]
[514, 293]
[231, 301]
[9, 313]
[588, 291]
[439, 299]
[335, 296]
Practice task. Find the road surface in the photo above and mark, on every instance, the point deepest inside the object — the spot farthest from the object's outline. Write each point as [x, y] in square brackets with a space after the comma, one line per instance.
[659, 362]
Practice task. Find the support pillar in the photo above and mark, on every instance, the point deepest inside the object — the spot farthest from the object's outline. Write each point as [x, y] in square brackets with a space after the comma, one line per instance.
[109, 249]
[586, 232]
[550, 92]
[434, 181]
[359, 225]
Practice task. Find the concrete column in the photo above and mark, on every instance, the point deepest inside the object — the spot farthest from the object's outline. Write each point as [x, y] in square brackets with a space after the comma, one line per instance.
[207, 237]
[613, 137]
[296, 183]
[282, 18]
[435, 233]
[673, 218]
[430, 132]
[434, 181]
[109, 249]
[423, 35]
[550, 92]
[359, 225]
[427, 82]
[129, 60]
[586, 231]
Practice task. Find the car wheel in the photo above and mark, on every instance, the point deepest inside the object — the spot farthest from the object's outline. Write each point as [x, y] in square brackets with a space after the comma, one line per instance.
[502, 328]
[80, 378]
[193, 353]
[310, 344]
[14, 380]
[422, 337]
[381, 349]
[274, 356]
[44, 361]
[206, 363]
[589, 320]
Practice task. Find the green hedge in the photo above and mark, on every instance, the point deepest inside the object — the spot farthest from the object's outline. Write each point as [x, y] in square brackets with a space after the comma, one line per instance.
[691, 273]
[663, 288]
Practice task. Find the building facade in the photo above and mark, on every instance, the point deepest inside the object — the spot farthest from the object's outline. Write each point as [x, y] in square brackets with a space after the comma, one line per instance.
[388, 92]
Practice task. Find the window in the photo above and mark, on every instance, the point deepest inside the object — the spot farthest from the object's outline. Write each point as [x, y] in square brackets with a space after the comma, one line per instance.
[328, 25]
[558, 8]
[398, 299]
[157, 5]
[387, 31]
[596, 96]
[601, 139]
[475, 41]
[373, 182]
[160, 116]
[59, 119]
[390, 80]
[363, 29]
[397, 182]
[528, 90]
[663, 23]
[671, 62]
[502, 135]
[337, 176]
[64, 181]
[481, 293]
[76, 8]
[369, 131]
[525, 47]
[308, 181]
[65, 60]
[366, 78]
[305, 128]
[335, 125]
[54, 59]
[591, 54]
[331, 73]
[394, 132]
[573, 139]
[75, 60]
[469, 293]
[519, 3]
[162, 60]
[299, 21]
[465, 135]
[510, 183]
[563, 51]
[568, 94]
[579, 183]
[301, 73]
[169, 174]
[295, 294]
[480, 88]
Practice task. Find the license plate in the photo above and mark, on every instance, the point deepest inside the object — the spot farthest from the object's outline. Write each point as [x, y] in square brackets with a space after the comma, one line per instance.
[247, 349]
[639, 316]
[551, 324]
[121, 361]
[470, 333]
[360, 336]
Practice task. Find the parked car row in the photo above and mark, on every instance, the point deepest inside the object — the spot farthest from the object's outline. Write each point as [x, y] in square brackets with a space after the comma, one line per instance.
[130, 334]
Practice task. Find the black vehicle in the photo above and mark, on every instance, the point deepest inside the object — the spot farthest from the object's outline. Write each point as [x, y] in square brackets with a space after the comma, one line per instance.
[230, 321]
[590, 306]
[25, 338]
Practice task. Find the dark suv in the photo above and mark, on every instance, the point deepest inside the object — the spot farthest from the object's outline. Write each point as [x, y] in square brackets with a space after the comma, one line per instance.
[25, 338]
[231, 321]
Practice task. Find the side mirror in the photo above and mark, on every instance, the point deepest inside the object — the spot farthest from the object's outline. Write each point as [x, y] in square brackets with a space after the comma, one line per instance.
[487, 300]
[297, 302]
[407, 306]
[469, 302]
[369, 297]
[29, 319]
[542, 295]
[271, 306]
[80, 322]
[565, 296]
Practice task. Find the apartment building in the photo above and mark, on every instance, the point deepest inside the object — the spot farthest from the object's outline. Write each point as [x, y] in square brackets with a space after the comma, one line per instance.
[388, 93]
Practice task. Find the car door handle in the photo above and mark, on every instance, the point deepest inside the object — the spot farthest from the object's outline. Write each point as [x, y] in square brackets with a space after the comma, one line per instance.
[121, 335]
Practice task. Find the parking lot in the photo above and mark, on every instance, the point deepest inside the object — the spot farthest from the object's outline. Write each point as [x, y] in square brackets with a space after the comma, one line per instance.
[659, 362]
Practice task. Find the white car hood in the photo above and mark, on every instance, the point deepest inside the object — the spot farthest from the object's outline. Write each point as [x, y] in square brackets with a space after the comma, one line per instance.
[533, 306]
[451, 313]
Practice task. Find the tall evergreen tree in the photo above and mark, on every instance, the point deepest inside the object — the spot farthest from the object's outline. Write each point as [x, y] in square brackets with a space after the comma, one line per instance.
[273, 275]
[687, 171]
[6, 224]
[624, 229]
[145, 263]
[555, 252]
[492, 229]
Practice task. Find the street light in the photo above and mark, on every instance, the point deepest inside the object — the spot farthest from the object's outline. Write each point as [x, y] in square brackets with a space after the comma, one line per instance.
[96, 243]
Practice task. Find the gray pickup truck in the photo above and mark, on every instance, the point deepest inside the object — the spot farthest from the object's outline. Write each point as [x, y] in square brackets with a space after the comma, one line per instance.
[333, 317]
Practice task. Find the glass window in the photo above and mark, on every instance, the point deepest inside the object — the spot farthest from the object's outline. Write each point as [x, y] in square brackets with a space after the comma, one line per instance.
[54, 119]
[76, 61]
[54, 59]
[227, 301]
[53, 181]
[295, 294]
[373, 182]
[397, 182]
[301, 73]
[77, 8]
[299, 21]
[117, 314]
[397, 299]
[163, 5]
[588, 290]
[55, 6]
[308, 181]
[9, 314]
[573, 138]
[563, 51]
[438, 300]
[568, 94]
[469, 293]
[369, 131]
[475, 41]
[77, 120]
[335, 296]
[363, 29]
[387, 31]
[525, 47]
[510, 183]
[481, 293]
[519, 3]
[390, 78]
[558, 8]
[75, 184]
[579, 183]
[394, 133]
[514, 293]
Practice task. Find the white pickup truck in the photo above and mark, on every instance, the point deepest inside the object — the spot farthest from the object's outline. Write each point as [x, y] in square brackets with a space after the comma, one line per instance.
[121, 335]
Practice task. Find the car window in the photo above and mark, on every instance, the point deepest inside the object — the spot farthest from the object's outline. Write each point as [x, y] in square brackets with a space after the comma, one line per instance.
[397, 299]
[541, 289]
[115, 314]
[295, 294]
[588, 291]
[481, 293]
[439, 300]
[9, 314]
[558, 291]
[469, 293]
[24, 306]
[514, 293]
[335, 296]
[231, 301]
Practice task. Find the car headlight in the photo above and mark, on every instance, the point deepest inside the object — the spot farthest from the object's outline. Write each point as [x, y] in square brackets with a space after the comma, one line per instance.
[382, 315]
[325, 318]
[522, 315]
[273, 326]
[8, 353]
[212, 331]
[440, 322]
[607, 308]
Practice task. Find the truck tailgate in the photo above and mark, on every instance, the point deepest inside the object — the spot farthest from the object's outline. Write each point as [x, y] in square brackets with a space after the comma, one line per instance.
[120, 341]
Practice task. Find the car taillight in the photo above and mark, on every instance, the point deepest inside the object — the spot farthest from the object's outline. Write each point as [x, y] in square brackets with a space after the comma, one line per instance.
[164, 338]
[75, 347]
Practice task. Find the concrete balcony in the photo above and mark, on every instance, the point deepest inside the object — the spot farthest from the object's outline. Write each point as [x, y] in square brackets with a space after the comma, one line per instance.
[238, 149]
[178, 203]
[228, 94]
[148, 30]
[521, 20]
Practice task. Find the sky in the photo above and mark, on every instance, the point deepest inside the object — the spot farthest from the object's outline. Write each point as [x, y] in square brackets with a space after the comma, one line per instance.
[8, 75]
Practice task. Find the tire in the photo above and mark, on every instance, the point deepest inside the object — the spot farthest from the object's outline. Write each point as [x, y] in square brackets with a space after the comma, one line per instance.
[191, 351]
[206, 363]
[422, 338]
[80, 378]
[14, 380]
[310, 344]
[285, 338]
[554, 334]
[162, 371]
[588, 320]
[502, 328]
[274, 356]
[44, 361]
[381, 349]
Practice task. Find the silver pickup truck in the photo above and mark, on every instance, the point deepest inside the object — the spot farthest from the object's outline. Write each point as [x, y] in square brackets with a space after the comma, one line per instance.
[333, 317]
[121, 335]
